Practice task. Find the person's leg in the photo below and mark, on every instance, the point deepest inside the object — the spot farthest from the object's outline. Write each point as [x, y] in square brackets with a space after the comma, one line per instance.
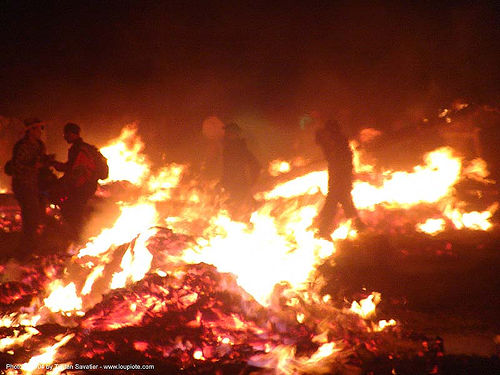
[30, 215]
[350, 210]
[325, 219]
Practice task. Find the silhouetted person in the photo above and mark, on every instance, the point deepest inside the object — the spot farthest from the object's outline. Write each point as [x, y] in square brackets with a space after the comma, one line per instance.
[78, 183]
[240, 168]
[338, 155]
[28, 159]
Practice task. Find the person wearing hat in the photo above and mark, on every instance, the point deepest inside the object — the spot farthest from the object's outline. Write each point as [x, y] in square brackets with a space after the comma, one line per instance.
[28, 158]
[78, 183]
[240, 168]
[338, 154]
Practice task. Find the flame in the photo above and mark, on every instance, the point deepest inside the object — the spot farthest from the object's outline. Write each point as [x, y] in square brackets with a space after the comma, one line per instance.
[135, 263]
[472, 220]
[274, 249]
[310, 183]
[382, 324]
[162, 184]
[366, 307]
[244, 251]
[278, 166]
[47, 357]
[10, 342]
[431, 226]
[63, 298]
[133, 220]
[125, 159]
[428, 183]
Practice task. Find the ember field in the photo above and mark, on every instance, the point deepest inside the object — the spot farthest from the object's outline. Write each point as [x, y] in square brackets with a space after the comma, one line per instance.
[171, 276]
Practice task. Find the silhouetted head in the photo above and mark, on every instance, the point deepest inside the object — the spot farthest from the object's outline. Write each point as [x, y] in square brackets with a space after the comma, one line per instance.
[333, 126]
[33, 127]
[71, 132]
[232, 130]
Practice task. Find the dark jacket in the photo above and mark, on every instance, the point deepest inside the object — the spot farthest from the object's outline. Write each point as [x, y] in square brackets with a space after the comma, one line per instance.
[25, 157]
[80, 167]
[335, 147]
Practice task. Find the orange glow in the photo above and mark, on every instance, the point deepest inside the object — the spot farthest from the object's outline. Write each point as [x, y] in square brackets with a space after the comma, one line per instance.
[432, 226]
[63, 298]
[366, 307]
[426, 184]
[47, 357]
[278, 166]
[125, 158]
[133, 220]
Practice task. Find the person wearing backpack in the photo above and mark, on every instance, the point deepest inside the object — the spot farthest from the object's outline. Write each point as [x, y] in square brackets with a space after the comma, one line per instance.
[80, 180]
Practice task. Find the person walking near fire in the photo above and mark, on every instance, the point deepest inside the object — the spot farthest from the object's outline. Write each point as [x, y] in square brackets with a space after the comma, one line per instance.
[338, 155]
[79, 182]
[28, 159]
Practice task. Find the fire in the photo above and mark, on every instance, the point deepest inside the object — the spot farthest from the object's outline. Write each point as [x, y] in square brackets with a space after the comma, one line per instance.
[47, 357]
[126, 228]
[167, 179]
[63, 298]
[366, 307]
[310, 183]
[426, 184]
[278, 166]
[125, 159]
[135, 263]
[432, 226]
[244, 250]
[274, 255]
[471, 220]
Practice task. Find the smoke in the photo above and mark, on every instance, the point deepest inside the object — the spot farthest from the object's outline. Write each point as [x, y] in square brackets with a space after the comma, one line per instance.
[169, 66]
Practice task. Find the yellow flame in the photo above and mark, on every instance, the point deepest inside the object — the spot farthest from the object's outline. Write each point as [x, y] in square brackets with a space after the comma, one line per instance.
[382, 324]
[162, 184]
[472, 220]
[428, 183]
[278, 166]
[132, 221]
[260, 255]
[47, 356]
[366, 307]
[125, 159]
[310, 183]
[63, 298]
[135, 263]
[10, 342]
[431, 226]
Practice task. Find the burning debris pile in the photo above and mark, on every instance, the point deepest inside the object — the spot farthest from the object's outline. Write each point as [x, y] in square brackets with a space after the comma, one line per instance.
[193, 319]
[184, 287]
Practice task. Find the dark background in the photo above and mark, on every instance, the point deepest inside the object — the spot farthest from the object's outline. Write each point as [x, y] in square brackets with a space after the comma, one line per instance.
[169, 65]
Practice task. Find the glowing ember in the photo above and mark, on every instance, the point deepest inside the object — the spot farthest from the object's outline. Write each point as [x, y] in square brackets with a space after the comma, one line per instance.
[382, 324]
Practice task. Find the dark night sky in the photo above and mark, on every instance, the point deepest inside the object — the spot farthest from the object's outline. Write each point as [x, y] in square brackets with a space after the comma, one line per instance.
[171, 64]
